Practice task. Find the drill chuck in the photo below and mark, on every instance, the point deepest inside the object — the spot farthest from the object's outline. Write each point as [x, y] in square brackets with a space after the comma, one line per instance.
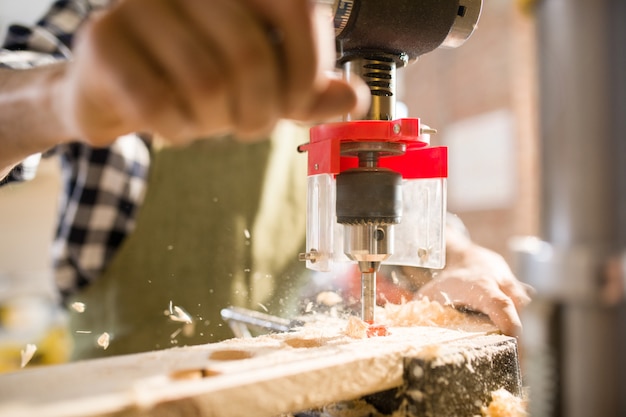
[369, 196]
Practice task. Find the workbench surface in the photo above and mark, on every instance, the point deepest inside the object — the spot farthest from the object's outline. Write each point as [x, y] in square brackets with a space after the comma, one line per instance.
[264, 376]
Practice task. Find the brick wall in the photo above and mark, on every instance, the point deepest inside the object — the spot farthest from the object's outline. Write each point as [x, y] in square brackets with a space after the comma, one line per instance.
[494, 70]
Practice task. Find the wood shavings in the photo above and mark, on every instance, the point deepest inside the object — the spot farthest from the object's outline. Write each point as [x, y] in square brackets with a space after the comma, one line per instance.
[424, 312]
[27, 354]
[504, 404]
[103, 340]
[328, 298]
[446, 297]
[356, 328]
[78, 307]
[421, 312]
[176, 333]
[179, 314]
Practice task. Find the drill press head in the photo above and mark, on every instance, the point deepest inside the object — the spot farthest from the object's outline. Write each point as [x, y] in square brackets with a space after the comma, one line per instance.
[376, 189]
[406, 29]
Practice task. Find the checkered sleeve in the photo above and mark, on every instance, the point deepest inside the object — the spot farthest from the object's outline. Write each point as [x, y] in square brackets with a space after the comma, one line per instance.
[103, 187]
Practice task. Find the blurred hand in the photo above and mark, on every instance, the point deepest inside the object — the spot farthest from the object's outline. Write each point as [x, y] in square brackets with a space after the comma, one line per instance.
[612, 291]
[191, 68]
[479, 279]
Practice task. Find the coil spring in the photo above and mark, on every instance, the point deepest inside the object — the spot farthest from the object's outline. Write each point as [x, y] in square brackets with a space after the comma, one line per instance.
[378, 73]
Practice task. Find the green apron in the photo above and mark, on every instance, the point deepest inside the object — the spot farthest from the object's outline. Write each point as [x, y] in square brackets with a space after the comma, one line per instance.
[222, 224]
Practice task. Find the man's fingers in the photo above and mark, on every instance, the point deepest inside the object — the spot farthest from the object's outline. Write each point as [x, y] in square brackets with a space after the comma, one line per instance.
[114, 90]
[338, 98]
[294, 26]
[502, 312]
[518, 292]
[195, 68]
[189, 65]
[482, 295]
[248, 58]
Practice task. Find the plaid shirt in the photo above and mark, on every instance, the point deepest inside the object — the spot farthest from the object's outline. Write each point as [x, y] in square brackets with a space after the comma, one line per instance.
[103, 187]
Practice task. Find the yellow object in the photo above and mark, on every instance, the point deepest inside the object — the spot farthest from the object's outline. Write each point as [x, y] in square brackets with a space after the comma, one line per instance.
[528, 6]
[52, 348]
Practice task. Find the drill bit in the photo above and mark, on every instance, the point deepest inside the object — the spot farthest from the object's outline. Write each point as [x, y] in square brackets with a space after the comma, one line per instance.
[368, 290]
[368, 296]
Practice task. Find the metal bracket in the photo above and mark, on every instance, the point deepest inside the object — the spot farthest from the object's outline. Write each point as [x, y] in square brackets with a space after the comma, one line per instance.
[241, 320]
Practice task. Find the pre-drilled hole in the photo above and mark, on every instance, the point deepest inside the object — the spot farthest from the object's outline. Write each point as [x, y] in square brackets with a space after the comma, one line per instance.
[186, 374]
[230, 355]
[304, 343]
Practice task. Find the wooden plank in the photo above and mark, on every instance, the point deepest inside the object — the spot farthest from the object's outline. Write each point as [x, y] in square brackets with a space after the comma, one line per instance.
[265, 376]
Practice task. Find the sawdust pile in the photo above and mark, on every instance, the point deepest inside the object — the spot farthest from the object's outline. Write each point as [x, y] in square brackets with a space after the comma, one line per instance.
[421, 312]
[424, 312]
[505, 404]
[356, 328]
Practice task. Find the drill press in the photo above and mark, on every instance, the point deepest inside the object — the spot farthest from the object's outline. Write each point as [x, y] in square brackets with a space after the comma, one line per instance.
[376, 189]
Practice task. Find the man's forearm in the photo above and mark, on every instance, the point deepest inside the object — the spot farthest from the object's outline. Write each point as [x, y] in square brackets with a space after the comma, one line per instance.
[29, 113]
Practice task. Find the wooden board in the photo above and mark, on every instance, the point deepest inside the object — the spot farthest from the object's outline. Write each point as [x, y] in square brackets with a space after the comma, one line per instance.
[265, 376]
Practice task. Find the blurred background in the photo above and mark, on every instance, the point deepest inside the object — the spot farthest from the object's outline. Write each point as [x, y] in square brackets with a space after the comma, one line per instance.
[482, 99]
[23, 11]
[533, 109]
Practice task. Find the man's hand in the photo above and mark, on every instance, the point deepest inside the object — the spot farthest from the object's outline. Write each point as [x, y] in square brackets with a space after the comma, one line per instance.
[192, 68]
[479, 279]
[183, 69]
